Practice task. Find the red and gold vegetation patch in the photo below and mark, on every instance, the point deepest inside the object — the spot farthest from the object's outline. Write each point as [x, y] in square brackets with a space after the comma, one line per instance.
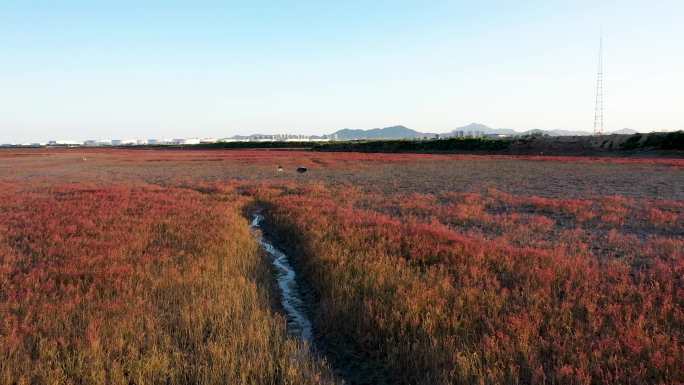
[137, 267]
[494, 288]
[124, 284]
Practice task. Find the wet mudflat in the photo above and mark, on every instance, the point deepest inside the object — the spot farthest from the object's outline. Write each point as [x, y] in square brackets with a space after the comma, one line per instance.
[298, 323]
[296, 303]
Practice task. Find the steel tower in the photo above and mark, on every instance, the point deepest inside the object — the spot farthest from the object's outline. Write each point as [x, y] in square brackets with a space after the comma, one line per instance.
[598, 107]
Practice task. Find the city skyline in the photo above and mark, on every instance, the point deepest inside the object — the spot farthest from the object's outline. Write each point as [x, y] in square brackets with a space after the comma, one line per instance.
[470, 130]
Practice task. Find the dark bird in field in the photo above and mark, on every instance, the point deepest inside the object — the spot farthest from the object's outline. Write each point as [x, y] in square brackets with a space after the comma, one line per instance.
[301, 170]
[280, 168]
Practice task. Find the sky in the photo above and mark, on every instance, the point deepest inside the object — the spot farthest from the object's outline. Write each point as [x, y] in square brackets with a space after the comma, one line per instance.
[77, 70]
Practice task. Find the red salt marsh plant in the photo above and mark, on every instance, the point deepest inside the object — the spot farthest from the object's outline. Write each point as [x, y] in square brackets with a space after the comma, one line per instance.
[430, 269]
[138, 285]
[451, 295]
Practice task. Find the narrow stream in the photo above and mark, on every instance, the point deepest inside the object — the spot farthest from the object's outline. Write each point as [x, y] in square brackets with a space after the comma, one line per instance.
[298, 324]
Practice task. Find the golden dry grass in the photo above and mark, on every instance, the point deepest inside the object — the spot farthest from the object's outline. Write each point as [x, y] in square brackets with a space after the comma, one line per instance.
[490, 288]
[142, 285]
[138, 267]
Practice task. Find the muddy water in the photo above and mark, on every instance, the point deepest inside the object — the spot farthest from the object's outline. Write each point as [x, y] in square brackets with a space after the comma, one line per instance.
[298, 324]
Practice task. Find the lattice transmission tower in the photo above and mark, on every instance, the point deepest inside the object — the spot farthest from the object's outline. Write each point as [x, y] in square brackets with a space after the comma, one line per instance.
[598, 107]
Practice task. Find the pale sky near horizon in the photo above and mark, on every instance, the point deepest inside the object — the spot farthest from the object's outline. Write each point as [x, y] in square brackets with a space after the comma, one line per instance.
[159, 69]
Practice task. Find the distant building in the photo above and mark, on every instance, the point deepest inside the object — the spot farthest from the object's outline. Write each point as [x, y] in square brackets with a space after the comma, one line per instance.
[64, 143]
[124, 142]
[183, 141]
[159, 141]
[467, 134]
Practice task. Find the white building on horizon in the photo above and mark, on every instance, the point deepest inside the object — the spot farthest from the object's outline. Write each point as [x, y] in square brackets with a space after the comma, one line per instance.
[182, 141]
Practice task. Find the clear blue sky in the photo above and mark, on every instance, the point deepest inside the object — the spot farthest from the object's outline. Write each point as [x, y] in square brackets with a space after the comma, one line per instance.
[81, 69]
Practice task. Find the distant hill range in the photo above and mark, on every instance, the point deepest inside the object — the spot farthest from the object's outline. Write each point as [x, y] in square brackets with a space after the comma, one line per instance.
[625, 131]
[473, 129]
[394, 132]
[403, 132]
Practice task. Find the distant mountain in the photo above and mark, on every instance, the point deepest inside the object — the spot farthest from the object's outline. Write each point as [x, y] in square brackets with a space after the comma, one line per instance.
[555, 132]
[394, 132]
[403, 132]
[481, 128]
[625, 131]
[472, 129]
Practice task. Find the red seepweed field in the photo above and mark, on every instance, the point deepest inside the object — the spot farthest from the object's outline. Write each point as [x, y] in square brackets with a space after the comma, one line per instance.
[137, 266]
